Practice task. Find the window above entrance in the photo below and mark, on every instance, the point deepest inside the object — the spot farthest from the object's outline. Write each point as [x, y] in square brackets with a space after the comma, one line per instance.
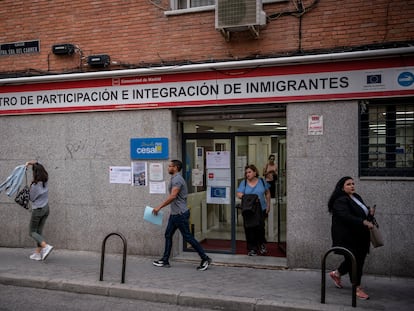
[236, 125]
[234, 119]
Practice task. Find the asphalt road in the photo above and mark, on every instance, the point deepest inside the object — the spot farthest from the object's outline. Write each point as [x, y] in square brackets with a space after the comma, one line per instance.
[14, 298]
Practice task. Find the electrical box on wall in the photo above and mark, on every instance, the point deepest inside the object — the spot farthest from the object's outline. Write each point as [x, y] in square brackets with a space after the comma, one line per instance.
[63, 49]
[99, 60]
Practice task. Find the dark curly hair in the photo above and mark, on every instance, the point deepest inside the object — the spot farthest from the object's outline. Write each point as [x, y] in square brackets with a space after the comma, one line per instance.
[338, 192]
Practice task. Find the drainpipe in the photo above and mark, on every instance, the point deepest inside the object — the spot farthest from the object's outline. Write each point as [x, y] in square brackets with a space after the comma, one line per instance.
[267, 62]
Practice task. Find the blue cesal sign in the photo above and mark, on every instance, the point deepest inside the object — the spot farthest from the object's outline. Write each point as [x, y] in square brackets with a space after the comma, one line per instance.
[149, 148]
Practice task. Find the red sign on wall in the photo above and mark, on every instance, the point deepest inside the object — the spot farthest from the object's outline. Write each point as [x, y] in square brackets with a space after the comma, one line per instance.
[281, 84]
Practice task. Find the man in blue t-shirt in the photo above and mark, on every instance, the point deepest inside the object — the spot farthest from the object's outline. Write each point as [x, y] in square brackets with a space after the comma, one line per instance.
[179, 217]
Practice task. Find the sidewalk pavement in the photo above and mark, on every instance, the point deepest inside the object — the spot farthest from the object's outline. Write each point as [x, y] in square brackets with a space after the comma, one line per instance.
[221, 287]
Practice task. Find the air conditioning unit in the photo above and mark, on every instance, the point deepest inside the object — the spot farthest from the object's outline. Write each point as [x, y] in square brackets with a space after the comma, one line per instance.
[238, 15]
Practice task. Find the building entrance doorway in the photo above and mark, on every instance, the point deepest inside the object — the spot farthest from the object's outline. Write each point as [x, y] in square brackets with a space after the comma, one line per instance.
[215, 153]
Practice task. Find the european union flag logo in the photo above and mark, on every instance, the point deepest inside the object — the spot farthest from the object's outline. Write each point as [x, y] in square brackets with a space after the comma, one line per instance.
[374, 79]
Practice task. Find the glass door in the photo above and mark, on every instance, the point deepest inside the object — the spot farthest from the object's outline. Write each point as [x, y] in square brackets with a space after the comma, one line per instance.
[209, 179]
[215, 222]
[245, 138]
[257, 149]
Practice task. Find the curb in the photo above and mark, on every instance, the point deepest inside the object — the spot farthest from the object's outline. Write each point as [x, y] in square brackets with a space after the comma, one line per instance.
[188, 299]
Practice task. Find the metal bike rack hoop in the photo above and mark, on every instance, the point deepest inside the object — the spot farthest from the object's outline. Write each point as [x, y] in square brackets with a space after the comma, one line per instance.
[123, 257]
[345, 252]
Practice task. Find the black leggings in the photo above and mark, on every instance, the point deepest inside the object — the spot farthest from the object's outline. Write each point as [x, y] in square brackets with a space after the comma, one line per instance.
[346, 266]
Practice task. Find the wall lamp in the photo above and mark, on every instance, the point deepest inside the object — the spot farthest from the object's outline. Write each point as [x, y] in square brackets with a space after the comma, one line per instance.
[63, 49]
[102, 60]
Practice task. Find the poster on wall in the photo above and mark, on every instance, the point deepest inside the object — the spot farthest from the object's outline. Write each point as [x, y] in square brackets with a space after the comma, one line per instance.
[197, 177]
[315, 125]
[157, 187]
[120, 175]
[241, 162]
[139, 173]
[219, 177]
[218, 195]
[218, 185]
[218, 159]
[199, 163]
[156, 171]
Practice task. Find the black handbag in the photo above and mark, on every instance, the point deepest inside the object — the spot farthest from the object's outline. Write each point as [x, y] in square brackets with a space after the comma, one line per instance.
[23, 196]
[249, 204]
[251, 211]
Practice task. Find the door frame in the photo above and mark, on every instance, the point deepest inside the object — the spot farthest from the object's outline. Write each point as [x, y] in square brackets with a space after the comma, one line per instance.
[232, 137]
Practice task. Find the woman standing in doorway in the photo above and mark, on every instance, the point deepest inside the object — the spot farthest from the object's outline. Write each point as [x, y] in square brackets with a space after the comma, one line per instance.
[350, 229]
[253, 184]
[270, 174]
[39, 196]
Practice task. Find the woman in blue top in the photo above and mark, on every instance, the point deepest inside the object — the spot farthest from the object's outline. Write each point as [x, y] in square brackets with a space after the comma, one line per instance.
[253, 184]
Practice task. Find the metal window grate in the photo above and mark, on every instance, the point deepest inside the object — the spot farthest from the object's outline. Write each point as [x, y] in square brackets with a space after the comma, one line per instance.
[387, 138]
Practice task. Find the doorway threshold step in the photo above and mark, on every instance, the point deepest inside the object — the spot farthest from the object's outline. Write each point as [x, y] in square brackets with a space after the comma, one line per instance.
[259, 262]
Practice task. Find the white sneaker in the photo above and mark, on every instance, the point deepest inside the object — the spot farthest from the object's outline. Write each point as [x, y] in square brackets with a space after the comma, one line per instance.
[36, 256]
[46, 251]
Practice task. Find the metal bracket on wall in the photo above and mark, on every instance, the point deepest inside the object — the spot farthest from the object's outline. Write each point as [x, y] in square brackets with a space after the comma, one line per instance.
[226, 32]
